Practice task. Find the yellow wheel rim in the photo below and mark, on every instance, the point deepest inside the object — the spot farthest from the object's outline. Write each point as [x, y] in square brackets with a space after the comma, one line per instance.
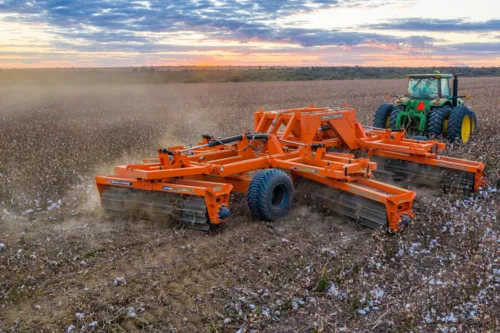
[388, 121]
[445, 125]
[466, 129]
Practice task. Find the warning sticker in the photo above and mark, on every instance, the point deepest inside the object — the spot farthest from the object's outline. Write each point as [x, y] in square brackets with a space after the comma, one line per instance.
[217, 188]
[303, 169]
[331, 116]
[177, 189]
[119, 182]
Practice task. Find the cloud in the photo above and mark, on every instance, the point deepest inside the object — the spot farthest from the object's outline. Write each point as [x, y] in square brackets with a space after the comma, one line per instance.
[474, 48]
[117, 22]
[152, 28]
[158, 15]
[426, 24]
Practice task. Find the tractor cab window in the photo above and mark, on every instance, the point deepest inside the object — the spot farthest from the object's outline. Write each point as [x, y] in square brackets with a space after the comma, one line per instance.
[426, 87]
[445, 88]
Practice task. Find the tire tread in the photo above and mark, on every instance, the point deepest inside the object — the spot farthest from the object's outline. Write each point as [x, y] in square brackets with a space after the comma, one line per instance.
[381, 114]
[455, 123]
[394, 116]
[258, 203]
[435, 121]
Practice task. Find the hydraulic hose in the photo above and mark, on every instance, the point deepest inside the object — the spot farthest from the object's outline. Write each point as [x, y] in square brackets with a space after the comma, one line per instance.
[230, 139]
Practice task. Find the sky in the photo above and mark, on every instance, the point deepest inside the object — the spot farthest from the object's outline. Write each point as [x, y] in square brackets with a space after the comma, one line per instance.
[117, 33]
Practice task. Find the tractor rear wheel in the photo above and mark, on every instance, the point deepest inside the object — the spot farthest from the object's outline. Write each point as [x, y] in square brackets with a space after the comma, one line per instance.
[460, 124]
[437, 123]
[270, 195]
[394, 116]
[382, 116]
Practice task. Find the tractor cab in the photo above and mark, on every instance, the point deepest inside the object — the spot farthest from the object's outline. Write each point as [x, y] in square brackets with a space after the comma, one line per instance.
[429, 86]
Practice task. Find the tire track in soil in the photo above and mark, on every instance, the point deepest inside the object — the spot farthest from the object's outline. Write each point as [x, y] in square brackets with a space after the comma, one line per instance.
[174, 272]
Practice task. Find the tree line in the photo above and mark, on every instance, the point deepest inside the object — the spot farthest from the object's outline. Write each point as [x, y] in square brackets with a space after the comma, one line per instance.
[159, 75]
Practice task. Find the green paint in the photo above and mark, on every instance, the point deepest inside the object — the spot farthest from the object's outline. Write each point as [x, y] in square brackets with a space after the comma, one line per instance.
[427, 90]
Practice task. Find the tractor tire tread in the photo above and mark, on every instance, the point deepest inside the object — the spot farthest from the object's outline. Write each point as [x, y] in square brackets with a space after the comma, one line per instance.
[394, 116]
[455, 122]
[260, 185]
[437, 117]
[381, 114]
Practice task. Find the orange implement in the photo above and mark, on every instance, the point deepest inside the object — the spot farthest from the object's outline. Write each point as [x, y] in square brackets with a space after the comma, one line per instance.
[195, 183]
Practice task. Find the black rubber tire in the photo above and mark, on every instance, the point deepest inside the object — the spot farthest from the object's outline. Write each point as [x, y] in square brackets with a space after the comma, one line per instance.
[419, 138]
[394, 116]
[474, 119]
[458, 113]
[270, 195]
[436, 120]
[381, 115]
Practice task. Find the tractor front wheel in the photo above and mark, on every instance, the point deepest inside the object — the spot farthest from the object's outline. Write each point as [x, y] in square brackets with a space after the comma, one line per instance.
[437, 124]
[460, 124]
[270, 195]
[382, 116]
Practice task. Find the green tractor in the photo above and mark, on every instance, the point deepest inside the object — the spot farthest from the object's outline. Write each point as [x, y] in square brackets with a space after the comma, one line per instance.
[430, 110]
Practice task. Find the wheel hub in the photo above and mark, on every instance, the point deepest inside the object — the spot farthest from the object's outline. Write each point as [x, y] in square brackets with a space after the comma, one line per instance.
[278, 196]
[466, 129]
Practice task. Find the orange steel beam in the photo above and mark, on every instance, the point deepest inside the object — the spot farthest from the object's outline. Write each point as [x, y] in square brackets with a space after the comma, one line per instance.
[240, 183]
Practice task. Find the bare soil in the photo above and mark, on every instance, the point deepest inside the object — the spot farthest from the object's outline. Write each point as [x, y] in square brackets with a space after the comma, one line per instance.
[64, 267]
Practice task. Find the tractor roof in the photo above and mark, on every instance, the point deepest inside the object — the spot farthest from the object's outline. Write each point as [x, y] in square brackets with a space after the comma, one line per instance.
[437, 76]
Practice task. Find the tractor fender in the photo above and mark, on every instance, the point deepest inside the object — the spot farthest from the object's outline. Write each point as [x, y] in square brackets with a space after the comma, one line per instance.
[403, 101]
[439, 102]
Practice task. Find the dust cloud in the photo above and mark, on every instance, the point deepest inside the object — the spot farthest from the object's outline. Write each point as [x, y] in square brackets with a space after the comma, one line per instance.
[56, 139]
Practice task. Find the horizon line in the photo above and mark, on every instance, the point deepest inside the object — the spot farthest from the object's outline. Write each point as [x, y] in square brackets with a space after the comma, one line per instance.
[233, 66]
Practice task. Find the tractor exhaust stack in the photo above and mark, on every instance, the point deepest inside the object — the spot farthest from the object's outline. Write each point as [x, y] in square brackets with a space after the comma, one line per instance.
[455, 90]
